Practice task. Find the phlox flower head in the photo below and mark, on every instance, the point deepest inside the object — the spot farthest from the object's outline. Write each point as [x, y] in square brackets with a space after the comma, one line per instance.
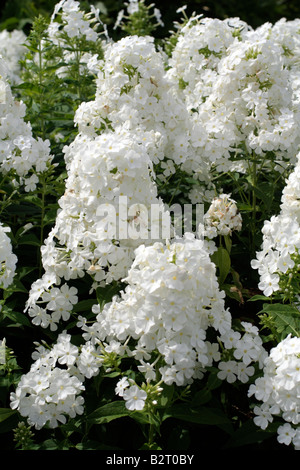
[13, 50]
[222, 217]
[8, 260]
[52, 388]
[171, 300]
[277, 389]
[22, 155]
[278, 257]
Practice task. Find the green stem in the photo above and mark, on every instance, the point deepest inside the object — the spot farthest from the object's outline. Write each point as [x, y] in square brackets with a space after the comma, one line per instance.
[151, 435]
[41, 91]
[42, 226]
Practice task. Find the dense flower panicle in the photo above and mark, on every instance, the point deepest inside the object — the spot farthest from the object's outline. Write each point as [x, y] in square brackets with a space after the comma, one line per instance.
[96, 231]
[222, 217]
[278, 258]
[52, 389]
[240, 91]
[13, 50]
[69, 23]
[171, 300]
[20, 153]
[201, 44]
[49, 305]
[226, 91]
[278, 390]
[8, 260]
[73, 21]
[134, 91]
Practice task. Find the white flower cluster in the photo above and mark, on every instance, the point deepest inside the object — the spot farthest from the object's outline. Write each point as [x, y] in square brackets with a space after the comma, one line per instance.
[50, 305]
[135, 92]
[241, 90]
[153, 112]
[12, 50]
[222, 217]
[141, 113]
[279, 253]
[68, 20]
[72, 21]
[286, 34]
[201, 44]
[20, 153]
[133, 7]
[85, 239]
[247, 351]
[8, 260]
[278, 390]
[171, 301]
[104, 167]
[52, 389]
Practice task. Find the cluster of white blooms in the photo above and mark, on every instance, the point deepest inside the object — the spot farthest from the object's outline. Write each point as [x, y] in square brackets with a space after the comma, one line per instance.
[69, 22]
[170, 303]
[123, 133]
[286, 34]
[20, 153]
[72, 21]
[240, 91]
[133, 7]
[52, 389]
[139, 118]
[135, 92]
[247, 350]
[101, 218]
[278, 390]
[222, 217]
[12, 50]
[278, 258]
[201, 44]
[50, 305]
[8, 260]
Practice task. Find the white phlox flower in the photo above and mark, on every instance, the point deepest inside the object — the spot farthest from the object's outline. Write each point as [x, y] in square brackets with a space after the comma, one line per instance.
[278, 389]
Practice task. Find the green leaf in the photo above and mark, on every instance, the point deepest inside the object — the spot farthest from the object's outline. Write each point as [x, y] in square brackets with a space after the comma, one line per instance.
[258, 297]
[29, 239]
[202, 397]
[17, 318]
[108, 412]
[213, 380]
[200, 415]
[17, 286]
[52, 444]
[84, 305]
[9, 422]
[6, 413]
[24, 270]
[228, 242]
[94, 445]
[221, 259]
[245, 207]
[265, 192]
[166, 395]
[285, 317]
